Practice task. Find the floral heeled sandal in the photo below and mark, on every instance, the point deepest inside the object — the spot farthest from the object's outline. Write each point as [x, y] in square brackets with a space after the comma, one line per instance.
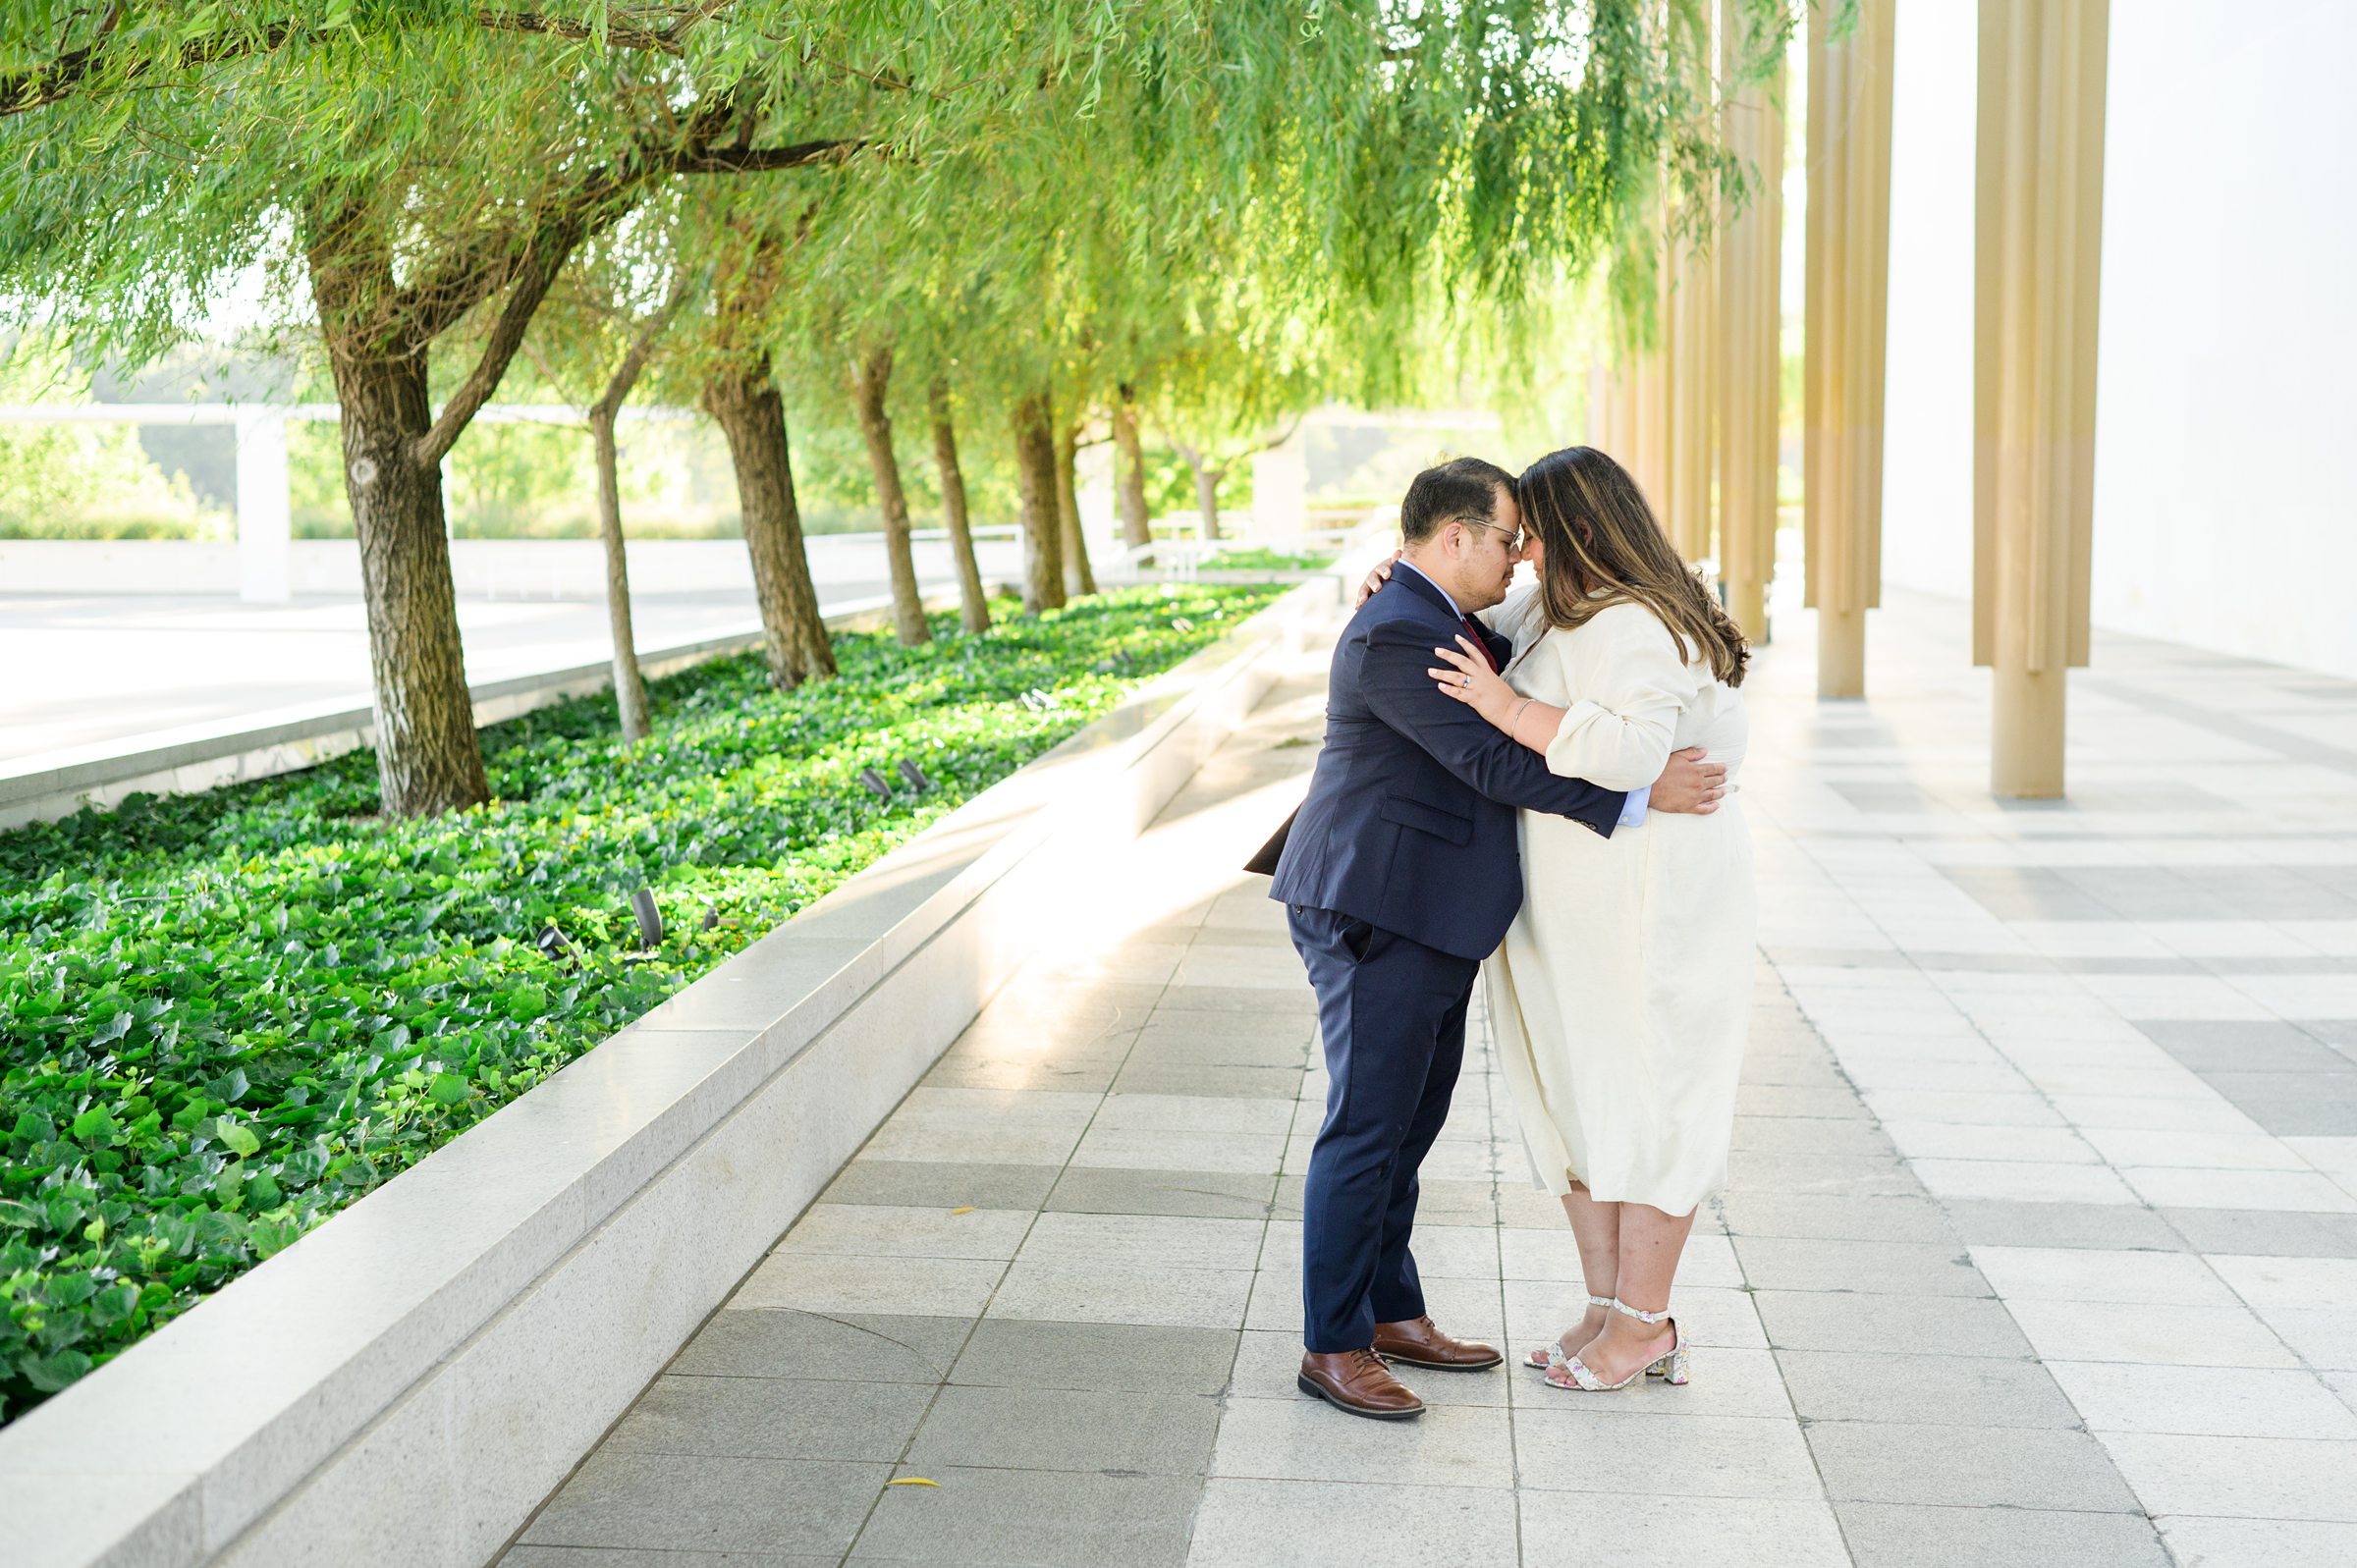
[1670, 1368]
[1555, 1355]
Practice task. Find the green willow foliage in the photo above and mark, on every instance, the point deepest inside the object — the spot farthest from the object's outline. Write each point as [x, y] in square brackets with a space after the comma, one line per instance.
[155, 150]
[1259, 202]
[225, 1016]
[1040, 186]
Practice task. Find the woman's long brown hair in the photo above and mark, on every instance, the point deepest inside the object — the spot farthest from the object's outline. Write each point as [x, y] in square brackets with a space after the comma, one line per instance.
[1604, 548]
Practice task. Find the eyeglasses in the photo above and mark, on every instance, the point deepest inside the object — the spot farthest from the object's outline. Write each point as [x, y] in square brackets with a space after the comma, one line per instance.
[1513, 536]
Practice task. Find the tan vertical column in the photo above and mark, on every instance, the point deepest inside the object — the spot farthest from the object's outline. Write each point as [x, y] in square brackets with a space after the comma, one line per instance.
[2039, 222]
[1848, 296]
[1691, 327]
[1750, 316]
[1647, 377]
[1609, 407]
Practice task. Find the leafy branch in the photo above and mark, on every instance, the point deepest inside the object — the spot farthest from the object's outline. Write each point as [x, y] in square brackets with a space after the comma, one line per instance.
[110, 62]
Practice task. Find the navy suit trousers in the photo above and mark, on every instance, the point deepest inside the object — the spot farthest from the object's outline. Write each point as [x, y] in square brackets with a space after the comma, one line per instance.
[1393, 1014]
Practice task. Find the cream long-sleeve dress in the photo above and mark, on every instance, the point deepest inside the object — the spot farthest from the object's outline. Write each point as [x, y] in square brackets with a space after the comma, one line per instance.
[1623, 991]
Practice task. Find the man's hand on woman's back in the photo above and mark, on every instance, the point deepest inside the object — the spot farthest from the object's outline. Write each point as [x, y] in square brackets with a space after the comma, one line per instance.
[1690, 783]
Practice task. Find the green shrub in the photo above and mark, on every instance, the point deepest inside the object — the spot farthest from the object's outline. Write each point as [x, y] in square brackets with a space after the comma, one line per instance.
[225, 1016]
[78, 481]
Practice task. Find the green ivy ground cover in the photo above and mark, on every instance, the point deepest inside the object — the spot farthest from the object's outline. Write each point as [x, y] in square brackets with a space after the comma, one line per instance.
[225, 1016]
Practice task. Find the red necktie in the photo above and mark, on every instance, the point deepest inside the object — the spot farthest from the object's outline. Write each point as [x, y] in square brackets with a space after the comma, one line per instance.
[1474, 632]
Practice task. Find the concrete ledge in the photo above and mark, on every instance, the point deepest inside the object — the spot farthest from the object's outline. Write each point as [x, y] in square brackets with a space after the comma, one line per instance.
[57, 783]
[405, 1385]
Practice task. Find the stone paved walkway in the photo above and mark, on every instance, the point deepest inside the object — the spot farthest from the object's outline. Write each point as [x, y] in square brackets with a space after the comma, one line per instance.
[2041, 1246]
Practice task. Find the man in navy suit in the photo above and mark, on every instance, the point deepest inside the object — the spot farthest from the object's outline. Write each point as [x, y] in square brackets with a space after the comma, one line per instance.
[1401, 873]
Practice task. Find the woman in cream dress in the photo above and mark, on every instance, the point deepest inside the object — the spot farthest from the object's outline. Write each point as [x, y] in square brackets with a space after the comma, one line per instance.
[1620, 997]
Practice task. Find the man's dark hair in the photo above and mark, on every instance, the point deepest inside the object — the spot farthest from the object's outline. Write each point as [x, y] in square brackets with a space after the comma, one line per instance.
[1462, 487]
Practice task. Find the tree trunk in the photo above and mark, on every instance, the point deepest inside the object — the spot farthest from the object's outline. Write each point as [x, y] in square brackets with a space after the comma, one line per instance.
[1035, 480]
[1129, 471]
[1207, 489]
[744, 401]
[871, 379]
[973, 601]
[428, 758]
[629, 686]
[1077, 578]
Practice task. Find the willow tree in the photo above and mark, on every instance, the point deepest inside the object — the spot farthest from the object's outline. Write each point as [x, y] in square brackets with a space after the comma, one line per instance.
[1031, 424]
[974, 600]
[1130, 468]
[739, 390]
[882, 327]
[154, 155]
[870, 371]
[984, 315]
[605, 412]
[1079, 581]
[939, 310]
[1225, 396]
[593, 341]
[914, 309]
[854, 289]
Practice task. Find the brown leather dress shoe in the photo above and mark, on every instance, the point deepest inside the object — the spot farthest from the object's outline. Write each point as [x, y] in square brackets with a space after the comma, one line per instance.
[1420, 1343]
[1358, 1382]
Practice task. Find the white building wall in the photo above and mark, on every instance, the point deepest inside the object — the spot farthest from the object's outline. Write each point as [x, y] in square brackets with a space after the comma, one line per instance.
[2226, 476]
[2225, 491]
[1927, 407]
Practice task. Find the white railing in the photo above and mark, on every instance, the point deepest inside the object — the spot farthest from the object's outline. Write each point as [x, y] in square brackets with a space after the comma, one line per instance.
[265, 518]
[265, 522]
[1184, 557]
[265, 529]
[996, 530]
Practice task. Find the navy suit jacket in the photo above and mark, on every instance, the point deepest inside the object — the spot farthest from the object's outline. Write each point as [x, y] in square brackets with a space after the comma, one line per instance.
[1409, 822]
